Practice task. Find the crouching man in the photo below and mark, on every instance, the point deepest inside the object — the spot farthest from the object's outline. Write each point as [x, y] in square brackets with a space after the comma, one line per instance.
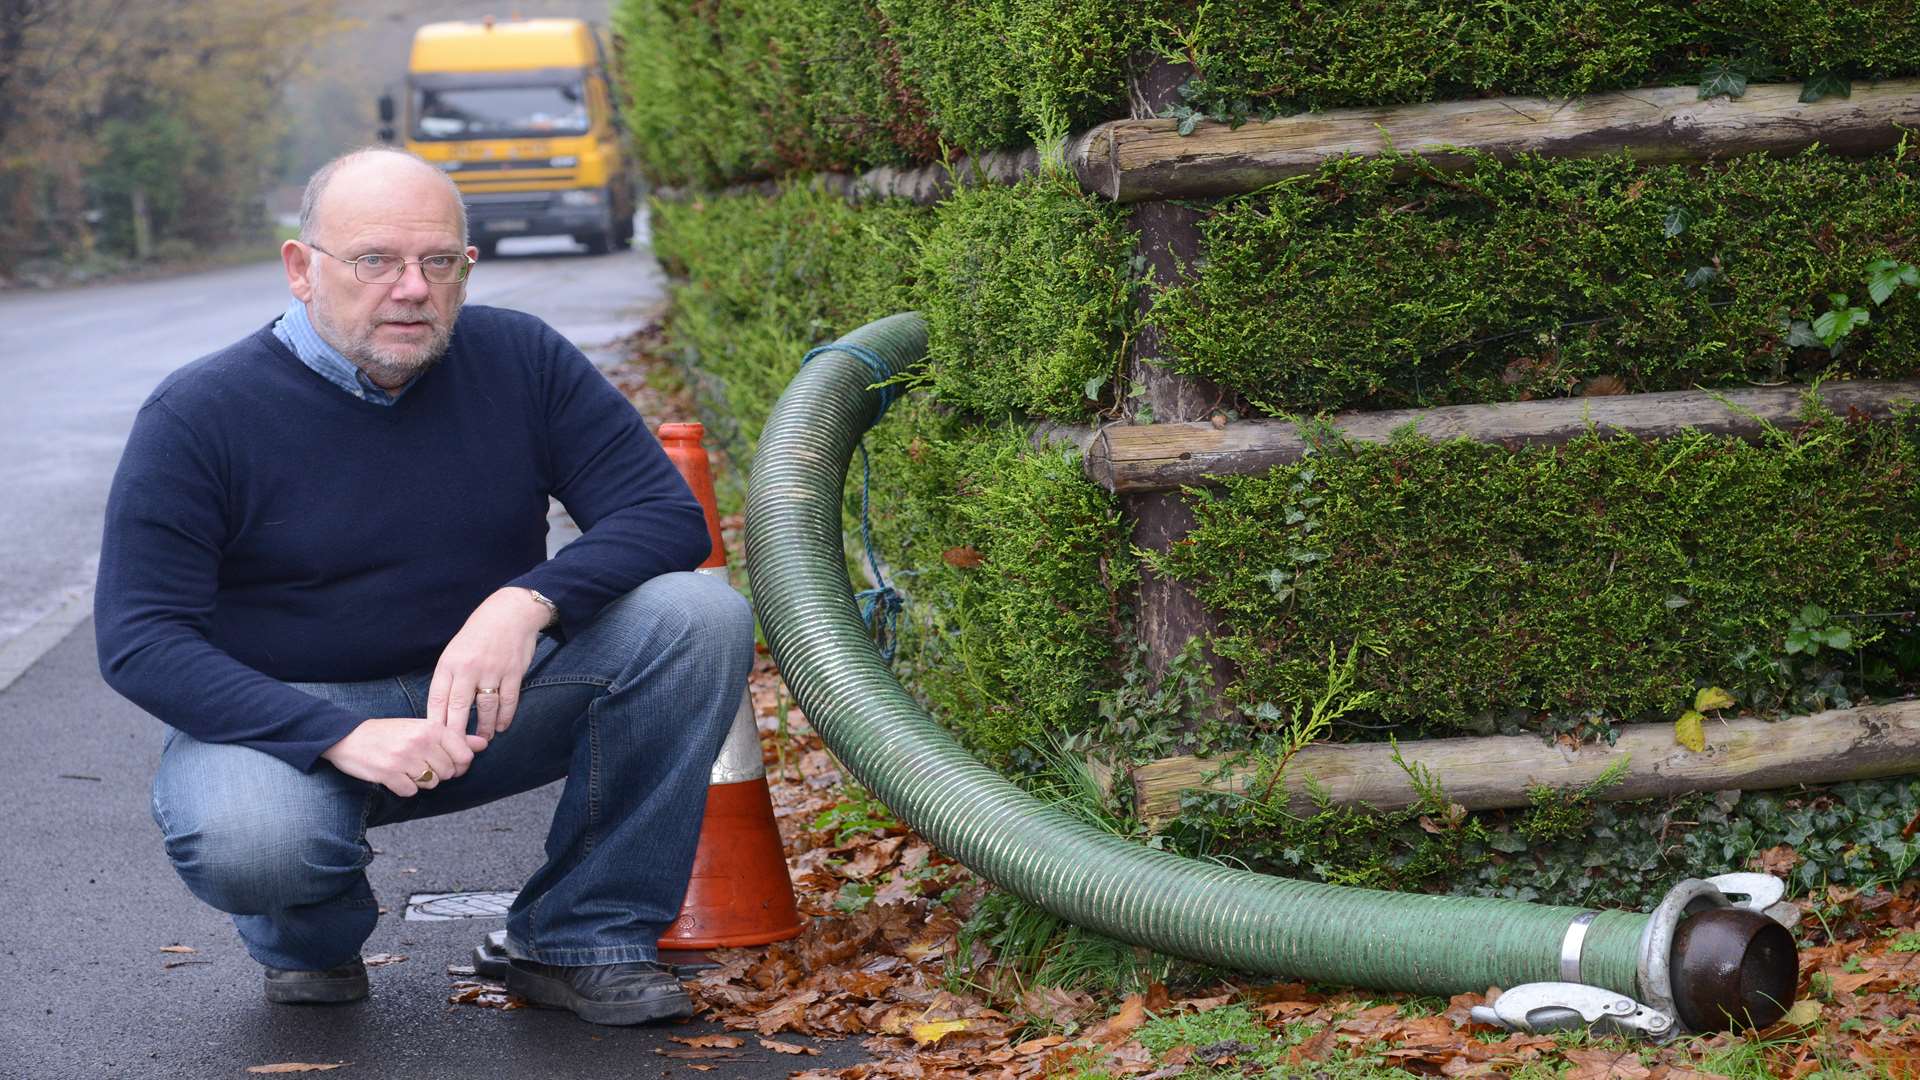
[324, 571]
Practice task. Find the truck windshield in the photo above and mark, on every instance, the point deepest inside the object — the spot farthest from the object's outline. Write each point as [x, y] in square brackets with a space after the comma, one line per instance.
[486, 112]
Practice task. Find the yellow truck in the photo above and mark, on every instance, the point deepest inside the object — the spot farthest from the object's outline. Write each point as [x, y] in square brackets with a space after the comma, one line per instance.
[521, 113]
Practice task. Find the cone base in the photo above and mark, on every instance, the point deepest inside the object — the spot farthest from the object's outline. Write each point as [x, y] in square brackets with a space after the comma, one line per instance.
[740, 893]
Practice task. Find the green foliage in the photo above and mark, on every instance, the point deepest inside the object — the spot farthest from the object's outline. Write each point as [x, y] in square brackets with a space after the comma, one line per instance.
[726, 90]
[1608, 577]
[766, 279]
[1621, 854]
[858, 814]
[1011, 562]
[730, 90]
[1359, 285]
[1283, 56]
[1027, 296]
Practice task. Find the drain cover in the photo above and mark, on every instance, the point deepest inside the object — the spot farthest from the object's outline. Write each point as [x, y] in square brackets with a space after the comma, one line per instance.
[440, 907]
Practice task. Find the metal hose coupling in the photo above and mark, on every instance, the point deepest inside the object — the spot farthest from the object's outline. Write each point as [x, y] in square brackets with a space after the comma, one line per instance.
[1714, 955]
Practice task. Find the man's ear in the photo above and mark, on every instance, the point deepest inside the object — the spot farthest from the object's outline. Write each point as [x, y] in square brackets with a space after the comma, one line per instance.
[299, 262]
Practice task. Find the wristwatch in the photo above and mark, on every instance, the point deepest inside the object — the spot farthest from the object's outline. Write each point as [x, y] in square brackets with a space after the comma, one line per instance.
[553, 609]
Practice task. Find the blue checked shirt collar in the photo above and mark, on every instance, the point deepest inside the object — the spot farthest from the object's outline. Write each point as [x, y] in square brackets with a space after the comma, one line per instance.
[296, 332]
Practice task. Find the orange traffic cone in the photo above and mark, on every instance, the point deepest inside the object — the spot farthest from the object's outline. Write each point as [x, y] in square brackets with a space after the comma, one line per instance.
[740, 893]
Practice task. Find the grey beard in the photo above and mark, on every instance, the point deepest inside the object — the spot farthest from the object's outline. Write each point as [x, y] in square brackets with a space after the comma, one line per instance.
[388, 368]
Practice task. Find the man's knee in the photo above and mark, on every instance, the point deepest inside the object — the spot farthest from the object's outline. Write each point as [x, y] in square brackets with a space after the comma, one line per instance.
[691, 610]
[249, 861]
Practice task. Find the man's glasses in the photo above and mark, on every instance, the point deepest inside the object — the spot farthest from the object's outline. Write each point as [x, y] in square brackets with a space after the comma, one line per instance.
[449, 269]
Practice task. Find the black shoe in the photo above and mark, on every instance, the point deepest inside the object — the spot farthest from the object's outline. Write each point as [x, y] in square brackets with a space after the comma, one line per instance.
[334, 986]
[633, 993]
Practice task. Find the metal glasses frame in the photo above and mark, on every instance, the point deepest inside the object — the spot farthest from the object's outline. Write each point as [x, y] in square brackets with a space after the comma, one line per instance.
[460, 268]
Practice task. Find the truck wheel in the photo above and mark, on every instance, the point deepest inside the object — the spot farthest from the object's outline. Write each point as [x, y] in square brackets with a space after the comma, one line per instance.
[599, 243]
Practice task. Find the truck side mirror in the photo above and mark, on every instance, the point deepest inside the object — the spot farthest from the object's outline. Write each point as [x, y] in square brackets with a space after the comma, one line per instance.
[386, 109]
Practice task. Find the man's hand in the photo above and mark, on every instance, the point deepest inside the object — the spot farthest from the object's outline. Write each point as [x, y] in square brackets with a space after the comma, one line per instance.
[490, 653]
[391, 751]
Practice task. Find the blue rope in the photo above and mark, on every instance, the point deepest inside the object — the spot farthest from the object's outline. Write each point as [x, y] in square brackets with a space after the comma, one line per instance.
[880, 606]
[889, 392]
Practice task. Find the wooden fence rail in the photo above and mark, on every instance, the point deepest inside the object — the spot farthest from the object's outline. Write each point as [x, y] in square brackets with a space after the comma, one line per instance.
[1139, 160]
[1125, 458]
[1499, 771]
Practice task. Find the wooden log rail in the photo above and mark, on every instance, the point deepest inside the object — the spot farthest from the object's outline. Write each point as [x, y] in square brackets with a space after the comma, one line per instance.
[1128, 458]
[1137, 160]
[1499, 771]
[1132, 160]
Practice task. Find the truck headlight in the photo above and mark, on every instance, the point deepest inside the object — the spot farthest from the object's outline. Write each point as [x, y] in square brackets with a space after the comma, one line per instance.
[586, 197]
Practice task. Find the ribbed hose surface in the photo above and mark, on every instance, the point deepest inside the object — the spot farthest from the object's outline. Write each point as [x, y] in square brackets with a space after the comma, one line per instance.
[1232, 918]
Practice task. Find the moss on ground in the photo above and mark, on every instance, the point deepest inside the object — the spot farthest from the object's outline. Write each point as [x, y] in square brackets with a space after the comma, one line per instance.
[1361, 286]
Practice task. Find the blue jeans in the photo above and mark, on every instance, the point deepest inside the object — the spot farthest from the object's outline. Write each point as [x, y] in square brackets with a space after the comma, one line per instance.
[631, 712]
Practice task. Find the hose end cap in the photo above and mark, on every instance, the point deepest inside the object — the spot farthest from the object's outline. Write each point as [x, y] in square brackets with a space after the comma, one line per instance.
[1732, 969]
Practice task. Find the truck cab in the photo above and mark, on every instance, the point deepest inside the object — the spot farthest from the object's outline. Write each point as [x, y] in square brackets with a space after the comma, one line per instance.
[522, 115]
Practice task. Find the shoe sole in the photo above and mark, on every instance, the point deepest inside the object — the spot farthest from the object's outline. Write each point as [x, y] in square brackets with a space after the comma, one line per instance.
[554, 993]
[318, 991]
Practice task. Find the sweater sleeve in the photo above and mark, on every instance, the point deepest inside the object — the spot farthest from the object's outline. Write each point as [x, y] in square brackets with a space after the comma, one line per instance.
[166, 525]
[638, 518]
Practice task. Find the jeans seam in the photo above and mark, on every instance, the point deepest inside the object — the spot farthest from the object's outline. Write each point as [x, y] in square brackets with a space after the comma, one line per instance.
[565, 680]
[593, 780]
[413, 705]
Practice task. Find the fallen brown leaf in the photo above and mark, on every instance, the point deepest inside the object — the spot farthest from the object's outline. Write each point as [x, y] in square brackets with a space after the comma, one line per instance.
[724, 1042]
[963, 557]
[177, 948]
[381, 959]
[1314, 1048]
[296, 1067]
[1119, 1027]
[694, 1053]
[1605, 1065]
[779, 1047]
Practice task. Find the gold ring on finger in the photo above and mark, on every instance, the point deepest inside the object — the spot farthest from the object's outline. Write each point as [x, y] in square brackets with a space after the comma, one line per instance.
[425, 777]
[485, 690]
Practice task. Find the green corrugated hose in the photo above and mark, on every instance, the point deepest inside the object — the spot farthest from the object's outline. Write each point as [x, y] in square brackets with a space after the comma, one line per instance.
[1184, 907]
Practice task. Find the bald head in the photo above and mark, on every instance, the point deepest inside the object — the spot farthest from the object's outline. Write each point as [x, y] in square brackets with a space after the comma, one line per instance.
[380, 173]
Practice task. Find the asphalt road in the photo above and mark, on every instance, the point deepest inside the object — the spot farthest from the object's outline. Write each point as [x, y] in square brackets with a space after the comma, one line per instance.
[87, 900]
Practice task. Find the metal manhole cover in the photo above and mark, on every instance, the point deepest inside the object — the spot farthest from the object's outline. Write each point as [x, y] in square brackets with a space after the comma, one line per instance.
[440, 907]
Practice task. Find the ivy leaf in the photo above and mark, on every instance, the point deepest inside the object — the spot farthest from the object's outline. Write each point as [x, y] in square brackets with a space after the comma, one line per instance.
[1712, 698]
[1837, 637]
[1801, 336]
[1690, 731]
[1722, 78]
[1841, 321]
[1189, 122]
[1825, 84]
[1886, 275]
[1702, 275]
[1093, 387]
[1678, 218]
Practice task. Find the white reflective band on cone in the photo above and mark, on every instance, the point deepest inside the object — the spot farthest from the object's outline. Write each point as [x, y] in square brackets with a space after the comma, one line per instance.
[740, 759]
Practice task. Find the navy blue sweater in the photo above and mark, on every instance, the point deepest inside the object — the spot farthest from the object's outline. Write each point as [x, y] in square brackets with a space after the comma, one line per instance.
[264, 527]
